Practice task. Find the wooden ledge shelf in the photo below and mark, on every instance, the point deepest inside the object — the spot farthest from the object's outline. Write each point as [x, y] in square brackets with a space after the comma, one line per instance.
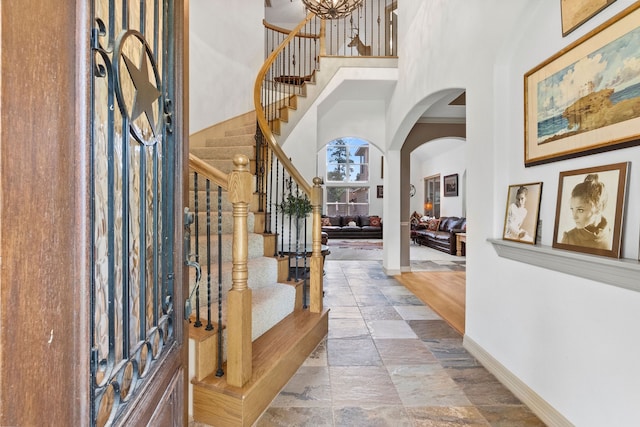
[623, 273]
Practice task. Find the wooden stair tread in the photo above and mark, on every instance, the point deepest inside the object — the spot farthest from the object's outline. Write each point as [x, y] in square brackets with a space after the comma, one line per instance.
[269, 350]
[200, 334]
[277, 355]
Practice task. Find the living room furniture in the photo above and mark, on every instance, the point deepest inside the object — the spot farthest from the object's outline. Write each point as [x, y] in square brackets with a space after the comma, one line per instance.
[460, 239]
[352, 227]
[440, 233]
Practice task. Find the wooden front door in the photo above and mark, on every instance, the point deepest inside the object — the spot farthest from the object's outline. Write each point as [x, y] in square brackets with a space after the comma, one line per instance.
[137, 345]
[91, 160]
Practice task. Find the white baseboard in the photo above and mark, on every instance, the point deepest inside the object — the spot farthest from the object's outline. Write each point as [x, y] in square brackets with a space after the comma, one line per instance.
[537, 404]
[391, 272]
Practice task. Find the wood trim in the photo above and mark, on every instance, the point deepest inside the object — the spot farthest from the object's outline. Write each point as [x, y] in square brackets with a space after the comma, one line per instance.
[277, 355]
[214, 175]
[239, 313]
[170, 370]
[45, 287]
[283, 30]
[260, 114]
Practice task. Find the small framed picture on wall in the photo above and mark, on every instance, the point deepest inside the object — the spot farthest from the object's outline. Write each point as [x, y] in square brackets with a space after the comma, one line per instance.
[523, 210]
[450, 183]
[379, 191]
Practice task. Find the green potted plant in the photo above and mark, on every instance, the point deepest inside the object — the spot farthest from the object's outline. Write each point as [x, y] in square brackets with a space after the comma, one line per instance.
[296, 206]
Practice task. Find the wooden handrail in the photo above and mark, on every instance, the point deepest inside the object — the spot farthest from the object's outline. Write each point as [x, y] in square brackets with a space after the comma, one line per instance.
[314, 192]
[282, 30]
[214, 175]
[260, 113]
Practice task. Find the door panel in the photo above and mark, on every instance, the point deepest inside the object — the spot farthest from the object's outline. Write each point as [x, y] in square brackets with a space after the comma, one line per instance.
[137, 354]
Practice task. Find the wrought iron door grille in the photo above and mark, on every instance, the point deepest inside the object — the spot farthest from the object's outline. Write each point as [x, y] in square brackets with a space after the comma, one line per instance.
[132, 182]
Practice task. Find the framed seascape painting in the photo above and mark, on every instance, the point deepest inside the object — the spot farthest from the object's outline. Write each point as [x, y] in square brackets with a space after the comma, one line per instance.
[522, 212]
[577, 12]
[586, 98]
[589, 211]
[450, 183]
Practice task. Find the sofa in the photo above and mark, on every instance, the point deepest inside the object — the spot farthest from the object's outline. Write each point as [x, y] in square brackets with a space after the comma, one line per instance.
[439, 233]
[352, 227]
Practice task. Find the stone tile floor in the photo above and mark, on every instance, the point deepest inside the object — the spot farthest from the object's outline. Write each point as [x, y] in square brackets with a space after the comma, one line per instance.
[422, 258]
[389, 360]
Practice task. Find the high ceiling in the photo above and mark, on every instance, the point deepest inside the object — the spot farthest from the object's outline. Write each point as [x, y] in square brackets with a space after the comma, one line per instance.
[284, 11]
[450, 108]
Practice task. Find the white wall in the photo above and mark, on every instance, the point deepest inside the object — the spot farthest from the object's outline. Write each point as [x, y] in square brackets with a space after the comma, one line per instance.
[453, 161]
[225, 54]
[570, 340]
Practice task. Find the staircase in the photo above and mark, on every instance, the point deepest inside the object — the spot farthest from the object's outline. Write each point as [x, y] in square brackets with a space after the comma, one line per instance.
[302, 97]
[283, 334]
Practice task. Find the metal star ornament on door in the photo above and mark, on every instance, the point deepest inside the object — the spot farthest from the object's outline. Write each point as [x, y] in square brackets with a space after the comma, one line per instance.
[138, 87]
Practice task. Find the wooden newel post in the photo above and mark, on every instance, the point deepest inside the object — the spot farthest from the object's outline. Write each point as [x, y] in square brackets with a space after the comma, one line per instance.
[317, 262]
[239, 346]
[323, 37]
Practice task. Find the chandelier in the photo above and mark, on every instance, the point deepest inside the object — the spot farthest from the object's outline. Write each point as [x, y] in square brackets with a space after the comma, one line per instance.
[331, 9]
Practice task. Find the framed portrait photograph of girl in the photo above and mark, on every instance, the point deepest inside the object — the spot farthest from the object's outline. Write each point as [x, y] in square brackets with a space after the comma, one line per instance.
[522, 212]
[590, 210]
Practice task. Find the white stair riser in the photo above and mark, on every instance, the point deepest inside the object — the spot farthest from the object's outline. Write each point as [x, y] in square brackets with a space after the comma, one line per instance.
[262, 272]
[227, 223]
[255, 246]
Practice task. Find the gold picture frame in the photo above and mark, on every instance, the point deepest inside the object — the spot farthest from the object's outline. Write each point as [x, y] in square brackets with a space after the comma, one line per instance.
[576, 12]
[522, 213]
[589, 210]
[586, 98]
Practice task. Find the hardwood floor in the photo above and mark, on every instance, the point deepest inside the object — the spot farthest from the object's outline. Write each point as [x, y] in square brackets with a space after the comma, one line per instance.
[443, 291]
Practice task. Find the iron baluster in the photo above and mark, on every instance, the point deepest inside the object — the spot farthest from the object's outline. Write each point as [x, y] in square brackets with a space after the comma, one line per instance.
[209, 326]
[219, 372]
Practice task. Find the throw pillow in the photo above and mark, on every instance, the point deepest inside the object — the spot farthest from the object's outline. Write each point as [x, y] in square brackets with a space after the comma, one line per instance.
[352, 224]
[326, 222]
[432, 224]
[374, 221]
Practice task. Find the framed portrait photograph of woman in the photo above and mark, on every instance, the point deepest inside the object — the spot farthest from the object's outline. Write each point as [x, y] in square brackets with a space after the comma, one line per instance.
[589, 210]
[522, 212]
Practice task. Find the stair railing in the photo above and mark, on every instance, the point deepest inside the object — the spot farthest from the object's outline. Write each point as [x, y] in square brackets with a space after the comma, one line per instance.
[370, 30]
[239, 187]
[275, 169]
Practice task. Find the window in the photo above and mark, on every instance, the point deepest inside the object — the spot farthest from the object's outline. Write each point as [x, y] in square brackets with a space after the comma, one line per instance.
[347, 177]
[347, 161]
[347, 201]
[432, 196]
